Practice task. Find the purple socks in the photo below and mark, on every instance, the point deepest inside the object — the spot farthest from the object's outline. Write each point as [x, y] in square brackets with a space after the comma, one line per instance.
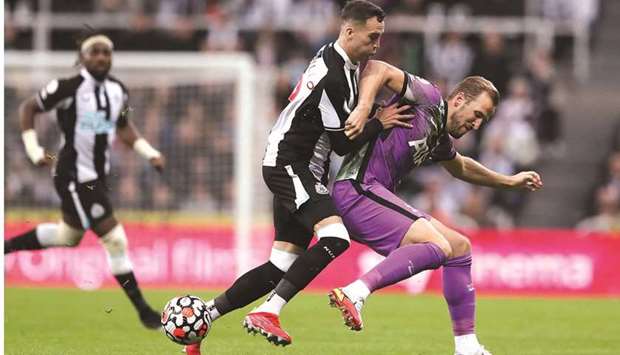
[459, 293]
[403, 263]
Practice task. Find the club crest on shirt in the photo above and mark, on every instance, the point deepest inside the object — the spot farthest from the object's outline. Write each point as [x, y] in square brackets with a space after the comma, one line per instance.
[321, 189]
[86, 96]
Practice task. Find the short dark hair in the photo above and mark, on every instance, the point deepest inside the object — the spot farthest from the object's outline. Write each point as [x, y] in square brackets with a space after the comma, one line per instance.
[473, 86]
[360, 11]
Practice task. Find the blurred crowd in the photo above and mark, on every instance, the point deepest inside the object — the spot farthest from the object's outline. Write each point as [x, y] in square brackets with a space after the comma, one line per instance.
[526, 129]
[603, 213]
[191, 125]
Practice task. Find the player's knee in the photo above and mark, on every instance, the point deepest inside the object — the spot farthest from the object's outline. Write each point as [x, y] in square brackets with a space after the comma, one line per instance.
[335, 237]
[282, 259]
[115, 244]
[65, 235]
[445, 247]
[334, 230]
[461, 246]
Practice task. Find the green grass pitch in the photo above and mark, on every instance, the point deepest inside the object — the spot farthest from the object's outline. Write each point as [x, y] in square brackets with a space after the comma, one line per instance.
[69, 321]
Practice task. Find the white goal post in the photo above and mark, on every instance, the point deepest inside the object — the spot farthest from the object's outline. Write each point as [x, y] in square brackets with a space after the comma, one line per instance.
[199, 74]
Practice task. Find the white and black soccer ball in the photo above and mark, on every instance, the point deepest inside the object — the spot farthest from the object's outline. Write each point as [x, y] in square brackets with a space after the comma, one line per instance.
[185, 320]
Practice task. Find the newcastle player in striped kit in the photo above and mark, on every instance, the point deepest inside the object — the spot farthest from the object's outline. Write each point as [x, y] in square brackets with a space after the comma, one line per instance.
[295, 168]
[92, 108]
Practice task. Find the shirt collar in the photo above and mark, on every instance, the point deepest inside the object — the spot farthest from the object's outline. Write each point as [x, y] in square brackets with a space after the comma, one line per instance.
[444, 115]
[350, 65]
[89, 76]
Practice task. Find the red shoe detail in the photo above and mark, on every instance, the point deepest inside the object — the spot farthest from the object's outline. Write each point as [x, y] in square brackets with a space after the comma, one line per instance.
[192, 349]
[267, 325]
[350, 314]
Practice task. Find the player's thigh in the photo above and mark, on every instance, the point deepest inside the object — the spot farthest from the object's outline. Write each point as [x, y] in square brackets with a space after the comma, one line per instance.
[459, 243]
[374, 215]
[93, 205]
[70, 205]
[290, 234]
[299, 192]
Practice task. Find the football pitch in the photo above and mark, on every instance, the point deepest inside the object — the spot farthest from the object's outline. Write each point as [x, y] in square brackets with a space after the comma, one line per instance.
[70, 321]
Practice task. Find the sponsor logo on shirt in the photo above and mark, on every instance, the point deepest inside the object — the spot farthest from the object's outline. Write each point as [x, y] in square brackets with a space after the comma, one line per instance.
[95, 122]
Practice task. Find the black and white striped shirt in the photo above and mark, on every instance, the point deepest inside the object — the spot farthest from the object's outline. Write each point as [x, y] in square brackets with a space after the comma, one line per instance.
[88, 112]
[312, 124]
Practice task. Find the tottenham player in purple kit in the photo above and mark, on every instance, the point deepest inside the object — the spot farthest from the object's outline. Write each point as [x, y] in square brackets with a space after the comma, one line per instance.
[411, 240]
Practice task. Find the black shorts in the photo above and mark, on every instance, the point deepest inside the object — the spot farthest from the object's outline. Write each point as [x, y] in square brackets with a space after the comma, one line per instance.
[300, 201]
[83, 204]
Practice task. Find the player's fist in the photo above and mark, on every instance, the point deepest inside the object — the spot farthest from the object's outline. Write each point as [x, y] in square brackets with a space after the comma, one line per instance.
[158, 163]
[47, 159]
[354, 126]
[529, 180]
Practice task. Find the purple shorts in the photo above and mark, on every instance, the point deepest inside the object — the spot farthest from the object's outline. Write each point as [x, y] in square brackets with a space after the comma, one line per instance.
[374, 215]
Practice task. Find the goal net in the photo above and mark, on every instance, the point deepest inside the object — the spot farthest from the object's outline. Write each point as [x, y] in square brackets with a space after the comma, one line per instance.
[208, 113]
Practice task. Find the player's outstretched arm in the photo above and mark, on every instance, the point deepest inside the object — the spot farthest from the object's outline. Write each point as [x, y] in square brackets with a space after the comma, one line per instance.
[467, 169]
[128, 134]
[28, 109]
[387, 117]
[376, 75]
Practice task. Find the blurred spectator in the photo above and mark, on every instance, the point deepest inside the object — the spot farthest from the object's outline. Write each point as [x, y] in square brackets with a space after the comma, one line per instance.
[223, 34]
[409, 7]
[492, 60]
[262, 13]
[128, 194]
[584, 11]
[320, 15]
[609, 176]
[265, 48]
[162, 197]
[114, 6]
[170, 11]
[494, 156]
[434, 198]
[450, 59]
[511, 127]
[200, 200]
[613, 170]
[478, 212]
[85, 6]
[547, 99]
[607, 217]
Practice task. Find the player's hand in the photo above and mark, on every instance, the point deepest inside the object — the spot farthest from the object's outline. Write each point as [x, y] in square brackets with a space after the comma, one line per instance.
[354, 125]
[529, 180]
[392, 116]
[47, 160]
[158, 163]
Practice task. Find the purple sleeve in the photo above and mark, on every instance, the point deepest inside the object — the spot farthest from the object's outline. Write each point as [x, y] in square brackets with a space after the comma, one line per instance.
[444, 149]
[421, 91]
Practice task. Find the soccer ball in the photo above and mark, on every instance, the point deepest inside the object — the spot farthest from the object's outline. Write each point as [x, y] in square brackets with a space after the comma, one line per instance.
[185, 320]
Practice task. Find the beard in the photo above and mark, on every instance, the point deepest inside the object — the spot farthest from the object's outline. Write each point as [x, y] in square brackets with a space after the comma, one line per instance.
[100, 75]
[456, 134]
[454, 128]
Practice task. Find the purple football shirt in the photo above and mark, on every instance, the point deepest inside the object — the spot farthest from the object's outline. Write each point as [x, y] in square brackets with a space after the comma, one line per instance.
[396, 152]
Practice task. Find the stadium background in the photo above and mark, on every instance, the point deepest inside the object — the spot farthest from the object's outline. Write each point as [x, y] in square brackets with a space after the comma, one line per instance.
[556, 63]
